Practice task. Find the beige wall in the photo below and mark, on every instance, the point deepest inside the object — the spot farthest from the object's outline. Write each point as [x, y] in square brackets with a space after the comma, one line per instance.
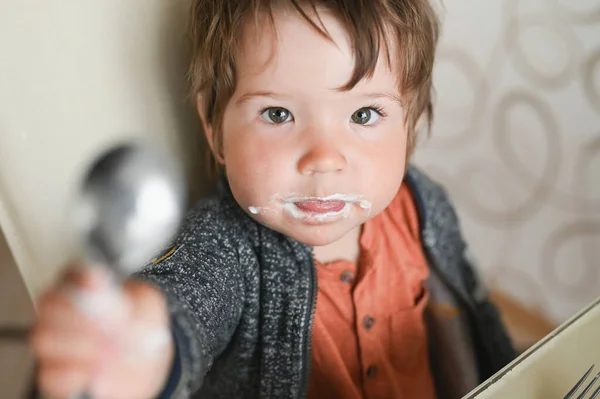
[517, 142]
[75, 77]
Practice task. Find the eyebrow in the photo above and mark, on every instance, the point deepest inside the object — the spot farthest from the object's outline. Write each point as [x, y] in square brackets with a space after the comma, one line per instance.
[378, 95]
[373, 96]
[248, 96]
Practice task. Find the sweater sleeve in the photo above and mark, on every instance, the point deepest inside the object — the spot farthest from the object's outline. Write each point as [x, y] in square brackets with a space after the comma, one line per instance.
[204, 289]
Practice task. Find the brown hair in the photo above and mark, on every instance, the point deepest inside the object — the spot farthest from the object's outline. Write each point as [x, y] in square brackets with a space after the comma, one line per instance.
[216, 28]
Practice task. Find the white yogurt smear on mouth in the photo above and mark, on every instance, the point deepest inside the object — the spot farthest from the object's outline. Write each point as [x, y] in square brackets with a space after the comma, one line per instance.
[349, 199]
[289, 206]
[255, 210]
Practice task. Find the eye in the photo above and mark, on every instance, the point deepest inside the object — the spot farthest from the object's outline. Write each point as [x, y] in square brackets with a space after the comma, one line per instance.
[366, 116]
[276, 115]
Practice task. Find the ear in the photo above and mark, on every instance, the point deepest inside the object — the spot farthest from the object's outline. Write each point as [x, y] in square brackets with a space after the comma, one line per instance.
[208, 130]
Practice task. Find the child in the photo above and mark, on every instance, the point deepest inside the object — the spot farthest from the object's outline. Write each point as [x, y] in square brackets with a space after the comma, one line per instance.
[312, 110]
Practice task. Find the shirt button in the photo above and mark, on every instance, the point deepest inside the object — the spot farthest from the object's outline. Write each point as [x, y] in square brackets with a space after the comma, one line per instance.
[368, 322]
[347, 277]
[371, 371]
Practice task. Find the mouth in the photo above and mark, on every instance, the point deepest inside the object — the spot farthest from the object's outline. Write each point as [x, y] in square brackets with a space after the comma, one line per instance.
[320, 206]
[317, 210]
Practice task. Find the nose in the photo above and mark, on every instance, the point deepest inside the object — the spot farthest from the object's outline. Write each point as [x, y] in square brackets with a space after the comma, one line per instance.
[321, 158]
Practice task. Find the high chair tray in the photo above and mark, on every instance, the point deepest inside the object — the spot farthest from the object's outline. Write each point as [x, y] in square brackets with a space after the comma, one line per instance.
[550, 368]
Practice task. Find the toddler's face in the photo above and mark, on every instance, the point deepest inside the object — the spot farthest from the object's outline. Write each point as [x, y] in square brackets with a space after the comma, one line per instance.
[303, 157]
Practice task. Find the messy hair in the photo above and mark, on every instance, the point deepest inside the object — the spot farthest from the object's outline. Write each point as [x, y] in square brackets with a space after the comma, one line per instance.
[216, 28]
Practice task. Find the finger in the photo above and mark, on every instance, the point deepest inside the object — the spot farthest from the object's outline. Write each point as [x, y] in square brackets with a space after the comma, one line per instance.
[62, 381]
[87, 295]
[149, 305]
[50, 345]
[85, 277]
[77, 277]
[57, 311]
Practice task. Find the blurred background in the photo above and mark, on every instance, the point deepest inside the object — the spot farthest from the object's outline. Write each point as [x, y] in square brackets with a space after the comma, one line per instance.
[516, 140]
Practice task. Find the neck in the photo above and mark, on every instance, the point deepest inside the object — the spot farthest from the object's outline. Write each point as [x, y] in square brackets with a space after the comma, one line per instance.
[346, 248]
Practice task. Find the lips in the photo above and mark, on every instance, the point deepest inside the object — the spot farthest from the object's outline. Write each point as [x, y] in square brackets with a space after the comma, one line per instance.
[320, 206]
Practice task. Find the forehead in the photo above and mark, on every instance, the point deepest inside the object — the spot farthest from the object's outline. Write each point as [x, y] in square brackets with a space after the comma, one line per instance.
[291, 47]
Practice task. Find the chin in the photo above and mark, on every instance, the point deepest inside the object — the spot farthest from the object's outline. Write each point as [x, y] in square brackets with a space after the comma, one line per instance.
[318, 236]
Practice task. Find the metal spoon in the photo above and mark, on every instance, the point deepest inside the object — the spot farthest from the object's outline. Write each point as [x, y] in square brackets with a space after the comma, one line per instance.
[131, 203]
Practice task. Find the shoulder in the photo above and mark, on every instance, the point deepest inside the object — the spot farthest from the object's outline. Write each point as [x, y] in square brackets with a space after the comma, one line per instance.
[215, 222]
[433, 203]
[440, 228]
[428, 191]
[442, 234]
[215, 231]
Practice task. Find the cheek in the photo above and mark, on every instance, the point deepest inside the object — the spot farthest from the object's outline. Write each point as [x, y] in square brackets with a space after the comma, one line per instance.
[250, 165]
[388, 155]
[387, 161]
[245, 149]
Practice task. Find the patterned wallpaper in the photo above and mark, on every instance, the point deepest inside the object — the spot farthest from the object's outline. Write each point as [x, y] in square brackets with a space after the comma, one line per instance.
[516, 141]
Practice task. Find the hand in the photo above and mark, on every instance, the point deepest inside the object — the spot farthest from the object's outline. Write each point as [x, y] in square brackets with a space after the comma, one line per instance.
[91, 337]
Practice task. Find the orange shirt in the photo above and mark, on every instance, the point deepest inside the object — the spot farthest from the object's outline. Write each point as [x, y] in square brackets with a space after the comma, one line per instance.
[369, 338]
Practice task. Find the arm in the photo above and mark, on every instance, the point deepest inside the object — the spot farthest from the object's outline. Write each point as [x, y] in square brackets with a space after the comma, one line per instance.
[204, 291]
